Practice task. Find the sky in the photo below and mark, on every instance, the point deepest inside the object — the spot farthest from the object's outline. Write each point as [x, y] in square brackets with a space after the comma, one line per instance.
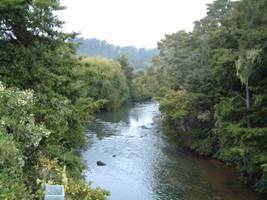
[141, 23]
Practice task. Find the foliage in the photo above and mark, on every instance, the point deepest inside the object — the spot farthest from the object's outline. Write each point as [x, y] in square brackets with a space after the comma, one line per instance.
[20, 136]
[80, 190]
[12, 184]
[21, 147]
[44, 107]
[175, 105]
[246, 63]
[213, 83]
[106, 79]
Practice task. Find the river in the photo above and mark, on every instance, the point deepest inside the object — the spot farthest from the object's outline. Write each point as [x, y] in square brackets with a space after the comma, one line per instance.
[143, 162]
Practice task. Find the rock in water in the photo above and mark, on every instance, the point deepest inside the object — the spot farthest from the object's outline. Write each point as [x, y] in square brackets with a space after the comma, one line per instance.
[113, 155]
[144, 127]
[100, 163]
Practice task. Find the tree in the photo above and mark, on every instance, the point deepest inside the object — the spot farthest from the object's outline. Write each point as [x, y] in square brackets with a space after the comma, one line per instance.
[43, 114]
[225, 50]
[245, 66]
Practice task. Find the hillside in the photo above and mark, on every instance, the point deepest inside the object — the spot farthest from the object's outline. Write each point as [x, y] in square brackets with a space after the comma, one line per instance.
[140, 59]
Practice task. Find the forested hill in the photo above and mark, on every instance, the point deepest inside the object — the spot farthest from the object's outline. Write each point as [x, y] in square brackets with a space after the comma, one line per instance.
[140, 59]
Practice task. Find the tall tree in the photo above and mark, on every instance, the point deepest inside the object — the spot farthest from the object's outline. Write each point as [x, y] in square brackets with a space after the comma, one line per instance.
[246, 66]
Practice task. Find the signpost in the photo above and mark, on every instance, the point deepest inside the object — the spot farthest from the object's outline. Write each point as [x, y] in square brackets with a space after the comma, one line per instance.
[54, 192]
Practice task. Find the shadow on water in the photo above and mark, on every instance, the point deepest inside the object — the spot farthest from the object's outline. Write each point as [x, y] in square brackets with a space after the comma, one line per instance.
[145, 161]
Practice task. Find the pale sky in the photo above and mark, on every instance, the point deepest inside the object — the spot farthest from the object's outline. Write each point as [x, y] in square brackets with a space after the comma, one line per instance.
[141, 23]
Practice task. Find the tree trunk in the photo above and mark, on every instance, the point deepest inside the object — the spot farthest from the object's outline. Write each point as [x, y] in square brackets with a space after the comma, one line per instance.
[248, 105]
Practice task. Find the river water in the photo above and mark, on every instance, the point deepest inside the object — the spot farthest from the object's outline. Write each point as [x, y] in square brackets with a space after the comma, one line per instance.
[143, 162]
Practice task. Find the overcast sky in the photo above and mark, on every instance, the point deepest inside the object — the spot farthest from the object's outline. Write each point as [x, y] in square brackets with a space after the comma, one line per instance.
[131, 22]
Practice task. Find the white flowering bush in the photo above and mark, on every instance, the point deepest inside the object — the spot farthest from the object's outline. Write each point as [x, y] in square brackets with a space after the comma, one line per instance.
[30, 154]
[20, 136]
[17, 119]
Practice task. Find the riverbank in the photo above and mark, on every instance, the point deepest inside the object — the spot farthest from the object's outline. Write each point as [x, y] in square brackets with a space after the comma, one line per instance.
[149, 164]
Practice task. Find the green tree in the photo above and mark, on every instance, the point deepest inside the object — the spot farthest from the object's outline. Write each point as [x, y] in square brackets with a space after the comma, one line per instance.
[245, 66]
[38, 58]
[225, 50]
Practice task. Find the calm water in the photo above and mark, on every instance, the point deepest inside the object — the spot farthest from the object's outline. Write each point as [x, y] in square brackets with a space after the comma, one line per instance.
[150, 165]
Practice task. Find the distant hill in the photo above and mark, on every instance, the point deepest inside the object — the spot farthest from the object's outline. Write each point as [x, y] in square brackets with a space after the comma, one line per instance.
[139, 59]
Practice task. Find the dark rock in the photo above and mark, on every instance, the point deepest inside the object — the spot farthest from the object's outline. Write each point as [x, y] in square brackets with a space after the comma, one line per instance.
[113, 155]
[144, 127]
[100, 163]
[143, 135]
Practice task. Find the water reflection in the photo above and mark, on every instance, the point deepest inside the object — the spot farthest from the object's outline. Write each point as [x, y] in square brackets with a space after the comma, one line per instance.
[150, 165]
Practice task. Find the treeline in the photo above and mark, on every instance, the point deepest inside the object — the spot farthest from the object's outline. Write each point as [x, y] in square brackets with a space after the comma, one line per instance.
[212, 84]
[140, 59]
[47, 95]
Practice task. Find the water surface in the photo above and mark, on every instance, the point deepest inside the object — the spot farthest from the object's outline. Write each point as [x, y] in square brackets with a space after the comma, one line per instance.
[145, 163]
